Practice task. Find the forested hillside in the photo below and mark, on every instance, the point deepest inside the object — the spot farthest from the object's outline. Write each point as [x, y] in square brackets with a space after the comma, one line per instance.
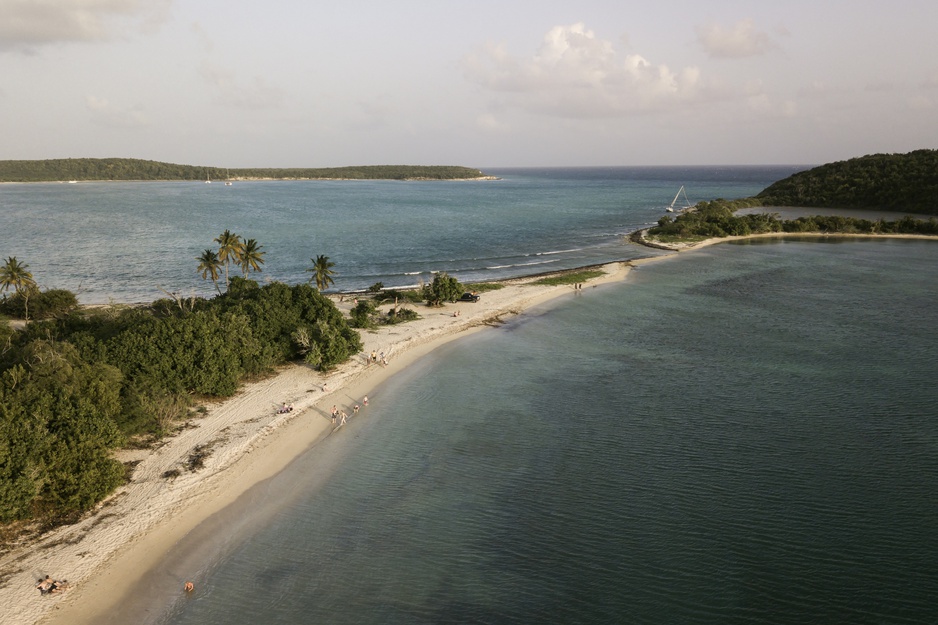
[894, 182]
[83, 169]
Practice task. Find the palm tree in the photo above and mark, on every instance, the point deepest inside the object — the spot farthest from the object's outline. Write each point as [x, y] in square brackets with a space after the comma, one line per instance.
[322, 272]
[16, 275]
[229, 249]
[251, 257]
[210, 266]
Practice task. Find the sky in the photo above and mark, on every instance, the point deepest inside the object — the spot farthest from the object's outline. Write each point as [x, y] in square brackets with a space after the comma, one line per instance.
[506, 83]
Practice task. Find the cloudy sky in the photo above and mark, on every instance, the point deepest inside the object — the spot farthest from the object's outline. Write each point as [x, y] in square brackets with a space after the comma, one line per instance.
[486, 83]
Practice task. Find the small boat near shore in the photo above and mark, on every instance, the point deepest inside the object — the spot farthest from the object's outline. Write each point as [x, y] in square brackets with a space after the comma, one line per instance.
[687, 203]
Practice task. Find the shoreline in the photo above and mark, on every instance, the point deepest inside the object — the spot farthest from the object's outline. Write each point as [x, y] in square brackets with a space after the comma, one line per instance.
[129, 533]
[221, 181]
[678, 248]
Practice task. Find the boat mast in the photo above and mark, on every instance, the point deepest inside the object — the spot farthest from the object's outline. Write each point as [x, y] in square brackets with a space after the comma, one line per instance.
[687, 203]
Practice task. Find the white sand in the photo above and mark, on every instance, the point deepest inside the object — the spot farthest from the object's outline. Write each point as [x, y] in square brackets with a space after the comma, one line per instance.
[128, 533]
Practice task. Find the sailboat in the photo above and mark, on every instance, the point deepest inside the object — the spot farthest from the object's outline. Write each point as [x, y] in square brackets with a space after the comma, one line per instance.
[687, 203]
[208, 178]
[227, 179]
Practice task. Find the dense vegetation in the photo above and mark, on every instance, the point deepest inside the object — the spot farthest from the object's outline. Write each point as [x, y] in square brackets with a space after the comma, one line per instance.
[444, 288]
[76, 386]
[717, 219]
[893, 182]
[136, 169]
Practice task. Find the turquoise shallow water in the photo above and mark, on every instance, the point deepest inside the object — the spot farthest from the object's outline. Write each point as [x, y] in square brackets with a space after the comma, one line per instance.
[745, 434]
[126, 241]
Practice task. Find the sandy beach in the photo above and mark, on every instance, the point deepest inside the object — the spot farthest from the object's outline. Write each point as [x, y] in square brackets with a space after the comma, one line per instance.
[248, 441]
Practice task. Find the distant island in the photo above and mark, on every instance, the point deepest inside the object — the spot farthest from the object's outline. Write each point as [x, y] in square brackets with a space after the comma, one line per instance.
[133, 169]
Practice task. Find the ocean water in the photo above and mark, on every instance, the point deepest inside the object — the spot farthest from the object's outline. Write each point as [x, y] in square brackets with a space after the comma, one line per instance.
[125, 241]
[745, 434]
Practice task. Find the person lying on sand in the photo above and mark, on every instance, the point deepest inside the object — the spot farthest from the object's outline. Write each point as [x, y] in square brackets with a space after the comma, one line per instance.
[51, 586]
[59, 586]
[45, 585]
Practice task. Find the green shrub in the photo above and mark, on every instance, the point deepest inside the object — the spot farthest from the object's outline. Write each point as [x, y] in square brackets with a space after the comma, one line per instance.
[361, 314]
[571, 278]
[73, 387]
[42, 304]
[444, 288]
[484, 287]
[413, 296]
[400, 315]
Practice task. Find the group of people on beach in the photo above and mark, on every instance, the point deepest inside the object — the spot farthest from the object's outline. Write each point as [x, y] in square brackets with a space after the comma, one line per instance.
[285, 409]
[49, 586]
[341, 416]
[376, 358]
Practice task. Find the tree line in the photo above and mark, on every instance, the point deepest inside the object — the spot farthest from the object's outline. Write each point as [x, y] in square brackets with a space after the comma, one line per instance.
[892, 182]
[718, 219]
[76, 384]
[84, 169]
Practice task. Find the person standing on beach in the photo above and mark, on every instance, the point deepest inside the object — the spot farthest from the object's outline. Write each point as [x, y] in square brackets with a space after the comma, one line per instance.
[365, 400]
[335, 413]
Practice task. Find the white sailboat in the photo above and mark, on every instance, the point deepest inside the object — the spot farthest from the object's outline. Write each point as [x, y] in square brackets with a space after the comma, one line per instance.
[227, 179]
[208, 178]
[687, 203]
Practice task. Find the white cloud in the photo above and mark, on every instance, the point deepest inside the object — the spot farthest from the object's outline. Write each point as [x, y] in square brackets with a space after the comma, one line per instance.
[256, 94]
[881, 85]
[763, 106]
[30, 24]
[104, 114]
[488, 122]
[577, 75]
[742, 40]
